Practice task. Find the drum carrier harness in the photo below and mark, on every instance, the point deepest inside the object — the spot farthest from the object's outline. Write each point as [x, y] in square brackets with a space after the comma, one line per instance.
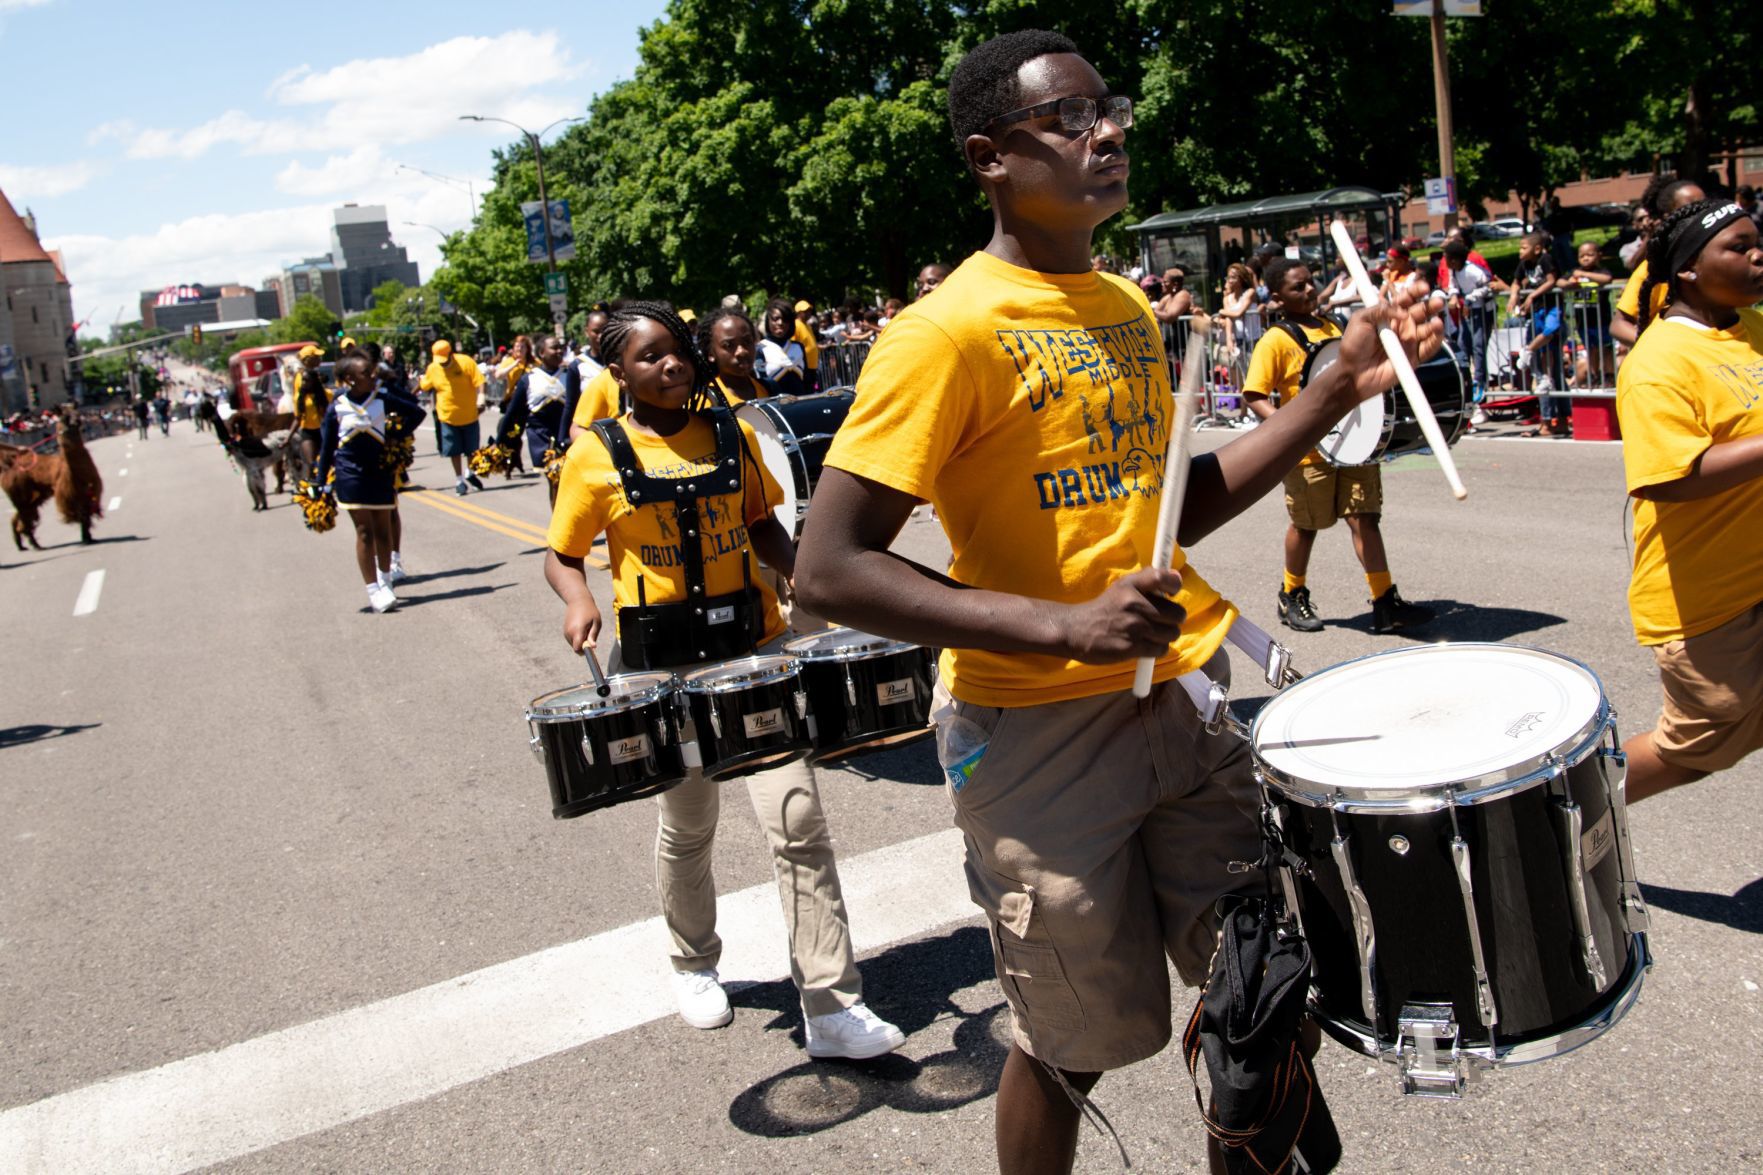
[701, 627]
[1309, 347]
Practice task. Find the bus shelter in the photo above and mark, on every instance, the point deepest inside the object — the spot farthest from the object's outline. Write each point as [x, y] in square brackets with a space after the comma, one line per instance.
[1207, 241]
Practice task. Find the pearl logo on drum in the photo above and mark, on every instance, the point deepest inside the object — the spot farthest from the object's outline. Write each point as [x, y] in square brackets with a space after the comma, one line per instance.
[1597, 841]
[628, 750]
[894, 693]
[1525, 724]
[763, 722]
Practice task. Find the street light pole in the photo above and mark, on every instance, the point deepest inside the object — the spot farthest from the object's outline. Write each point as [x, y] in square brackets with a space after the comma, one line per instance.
[544, 201]
[1441, 93]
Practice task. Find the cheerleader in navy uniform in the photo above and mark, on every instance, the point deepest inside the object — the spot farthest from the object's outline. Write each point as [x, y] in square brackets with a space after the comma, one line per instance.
[354, 448]
[538, 401]
[672, 435]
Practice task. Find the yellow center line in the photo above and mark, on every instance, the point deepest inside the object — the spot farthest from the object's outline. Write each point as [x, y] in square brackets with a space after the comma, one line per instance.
[474, 508]
[528, 532]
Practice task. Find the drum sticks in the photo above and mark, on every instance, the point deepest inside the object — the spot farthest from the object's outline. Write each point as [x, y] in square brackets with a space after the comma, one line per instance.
[1392, 346]
[601, 686]
[1175, 471]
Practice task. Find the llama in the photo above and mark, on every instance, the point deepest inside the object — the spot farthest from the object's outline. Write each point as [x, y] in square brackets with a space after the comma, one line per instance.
[70, 477]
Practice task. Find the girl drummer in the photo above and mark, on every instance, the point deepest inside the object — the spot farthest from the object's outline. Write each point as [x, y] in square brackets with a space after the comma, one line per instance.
[727, 337]
[1688, 399]
[354, 446]
[671, 434]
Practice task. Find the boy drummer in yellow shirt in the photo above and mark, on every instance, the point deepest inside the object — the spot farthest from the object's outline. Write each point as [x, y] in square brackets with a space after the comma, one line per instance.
[1028, 402]
[1318, 493]
[1690, 399]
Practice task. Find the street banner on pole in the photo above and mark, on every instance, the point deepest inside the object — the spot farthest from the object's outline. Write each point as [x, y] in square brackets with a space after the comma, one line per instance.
[1424, 7]
[1441, 196]
[562, 232]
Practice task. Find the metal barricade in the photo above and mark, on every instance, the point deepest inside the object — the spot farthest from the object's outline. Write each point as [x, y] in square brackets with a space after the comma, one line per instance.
[840, 363]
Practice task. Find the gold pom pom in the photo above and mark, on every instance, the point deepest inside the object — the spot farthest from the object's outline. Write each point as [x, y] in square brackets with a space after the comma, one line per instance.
[317, 508]
[552, 461]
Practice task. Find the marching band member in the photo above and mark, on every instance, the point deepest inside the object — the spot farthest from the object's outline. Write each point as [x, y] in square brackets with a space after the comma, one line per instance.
[311, 398]
[538, 400]
[728, 339]
[1027, 401]
[637, 480]
[1692, 448]
[355, 448]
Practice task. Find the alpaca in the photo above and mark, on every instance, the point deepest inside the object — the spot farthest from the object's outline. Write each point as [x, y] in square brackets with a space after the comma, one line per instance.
[70, 477]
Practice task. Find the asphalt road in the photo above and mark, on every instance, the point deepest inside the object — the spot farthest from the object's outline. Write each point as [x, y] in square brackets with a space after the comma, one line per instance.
[242, 814]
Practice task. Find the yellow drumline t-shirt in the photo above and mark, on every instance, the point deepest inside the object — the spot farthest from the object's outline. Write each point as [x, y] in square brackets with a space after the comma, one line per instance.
[1697, 564]
[1032, 410]
[1278, 364]
[599, 399]
[810, 347]
[643, 539]
[455, 387]
[1630, 301]
[316, 403]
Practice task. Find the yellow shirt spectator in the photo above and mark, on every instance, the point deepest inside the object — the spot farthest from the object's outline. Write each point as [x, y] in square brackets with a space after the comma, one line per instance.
[314, 403]
[1680, 390]
[810, 348]
[1277, 367]
[455, 384]
[1630, 302]
[599, 400]
[643, 540]
[1038, 431]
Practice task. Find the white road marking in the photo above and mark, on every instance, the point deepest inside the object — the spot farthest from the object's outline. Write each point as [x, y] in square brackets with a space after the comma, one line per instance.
[114, 503]
[123, 472]
[316, 1076]
[87, 603]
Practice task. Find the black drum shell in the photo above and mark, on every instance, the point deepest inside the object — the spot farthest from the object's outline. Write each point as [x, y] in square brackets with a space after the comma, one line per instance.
[578, 787]
[737, 751]
[841, 728]
[1423, 954]
[1442, 379]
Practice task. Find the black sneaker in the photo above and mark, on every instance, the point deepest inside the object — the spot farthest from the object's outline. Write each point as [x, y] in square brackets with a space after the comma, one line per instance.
[475, 483]
[1390, 612]
[1296, 611]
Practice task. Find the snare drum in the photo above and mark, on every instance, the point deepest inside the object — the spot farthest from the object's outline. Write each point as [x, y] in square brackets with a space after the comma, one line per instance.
[748, 715]
[794, 433]
[603, 751]
[1466, 882]
[1386, 426]
[864, 691]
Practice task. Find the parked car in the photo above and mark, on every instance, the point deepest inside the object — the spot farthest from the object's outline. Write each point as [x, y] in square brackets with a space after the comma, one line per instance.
[1510, 226]
[1435, 238]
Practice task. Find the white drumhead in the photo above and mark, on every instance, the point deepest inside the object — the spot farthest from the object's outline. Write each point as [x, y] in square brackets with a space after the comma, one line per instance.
[1426, 717]
[1355, 439]
[776, 457]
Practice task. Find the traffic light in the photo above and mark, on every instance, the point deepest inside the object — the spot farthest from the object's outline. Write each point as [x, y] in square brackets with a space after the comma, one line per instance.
[196, 334]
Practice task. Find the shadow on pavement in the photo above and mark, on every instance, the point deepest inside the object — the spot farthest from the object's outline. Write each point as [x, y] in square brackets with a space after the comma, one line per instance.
[450, 573]
[456, 594]
[912, 984]
[98, 541]
[1460, 621]
[36, 732]
[915, 762]
[1741, 911]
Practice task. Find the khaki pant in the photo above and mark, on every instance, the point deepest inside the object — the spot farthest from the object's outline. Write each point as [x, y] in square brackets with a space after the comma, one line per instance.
[787, 801]
[1712, 714]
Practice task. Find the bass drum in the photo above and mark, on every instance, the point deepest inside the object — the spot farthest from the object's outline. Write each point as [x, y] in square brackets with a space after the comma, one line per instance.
[794, 434]
[1385, 426]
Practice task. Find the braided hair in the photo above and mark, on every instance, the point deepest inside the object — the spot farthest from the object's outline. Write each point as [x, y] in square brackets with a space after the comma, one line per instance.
[616, 334]
[708, 324]
[1659, 253]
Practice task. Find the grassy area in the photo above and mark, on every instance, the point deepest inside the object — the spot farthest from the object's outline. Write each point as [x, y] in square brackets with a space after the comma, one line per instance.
[1503, 255]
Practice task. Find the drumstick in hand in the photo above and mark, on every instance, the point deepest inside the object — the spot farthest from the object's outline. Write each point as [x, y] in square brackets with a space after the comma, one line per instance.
[1392, 346]
[1175, 472]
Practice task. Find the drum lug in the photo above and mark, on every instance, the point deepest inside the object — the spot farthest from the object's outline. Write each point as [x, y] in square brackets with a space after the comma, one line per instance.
[715, 719]
[1568, 815]
[1484, 991]
[1364, 933]
[850, 687]
[1613, 765]
[588, 750]
[1428, 1059]
[538, 747]
[802, 699]
[661, 739]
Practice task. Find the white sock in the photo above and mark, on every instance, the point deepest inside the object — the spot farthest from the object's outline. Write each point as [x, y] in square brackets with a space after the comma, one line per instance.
[396, 561]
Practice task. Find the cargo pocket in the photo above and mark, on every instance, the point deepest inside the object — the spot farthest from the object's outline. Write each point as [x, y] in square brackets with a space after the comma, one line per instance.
[1027, 959]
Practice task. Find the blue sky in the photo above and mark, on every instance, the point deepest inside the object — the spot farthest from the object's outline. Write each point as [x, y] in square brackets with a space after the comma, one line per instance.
[165, 143]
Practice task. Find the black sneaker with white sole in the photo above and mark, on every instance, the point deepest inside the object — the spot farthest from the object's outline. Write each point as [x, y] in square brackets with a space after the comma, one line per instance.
[1390, 612]
[1296, 611]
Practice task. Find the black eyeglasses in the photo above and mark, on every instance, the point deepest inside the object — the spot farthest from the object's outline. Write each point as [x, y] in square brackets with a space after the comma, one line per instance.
[1076, 115]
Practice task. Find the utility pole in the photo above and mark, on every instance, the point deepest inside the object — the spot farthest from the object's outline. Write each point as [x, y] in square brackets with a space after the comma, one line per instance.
[1441, 94]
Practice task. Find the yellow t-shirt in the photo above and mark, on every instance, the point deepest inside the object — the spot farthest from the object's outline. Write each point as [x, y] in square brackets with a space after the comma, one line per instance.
[644, 540]
[1032, 409]
[598, 401]
[1278, 364]
[313, 416]
[1697, 564]
[810, 348]
[455, 387]
[742, 393]
[1630, 302]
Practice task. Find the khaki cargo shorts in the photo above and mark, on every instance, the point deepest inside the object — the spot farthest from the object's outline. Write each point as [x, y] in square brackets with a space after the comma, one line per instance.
[1317, 495]
[1713, 684]
[1101, 833]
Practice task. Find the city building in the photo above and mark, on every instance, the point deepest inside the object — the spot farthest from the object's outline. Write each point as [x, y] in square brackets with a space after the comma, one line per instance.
[315, 277]
[365, 255]
[36, 317]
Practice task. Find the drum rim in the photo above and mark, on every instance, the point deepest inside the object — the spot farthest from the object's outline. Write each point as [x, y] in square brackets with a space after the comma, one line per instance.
[1445, 352]
[662, 685]
[1520, 776]
[871, 647]
[762, 669]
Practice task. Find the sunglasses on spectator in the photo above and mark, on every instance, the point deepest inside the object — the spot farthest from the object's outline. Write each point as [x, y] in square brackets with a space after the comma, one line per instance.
[1076, 115]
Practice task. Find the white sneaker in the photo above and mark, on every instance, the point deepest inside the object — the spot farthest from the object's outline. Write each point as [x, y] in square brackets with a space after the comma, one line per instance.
[1480, 417]
[702, 1002]
[380, 598]
[854, 1033]
[397, 573]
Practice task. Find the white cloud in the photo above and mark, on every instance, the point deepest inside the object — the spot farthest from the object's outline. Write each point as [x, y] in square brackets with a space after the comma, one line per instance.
[40, 183]
[338, 173]
[257, 137]
[11, 5]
